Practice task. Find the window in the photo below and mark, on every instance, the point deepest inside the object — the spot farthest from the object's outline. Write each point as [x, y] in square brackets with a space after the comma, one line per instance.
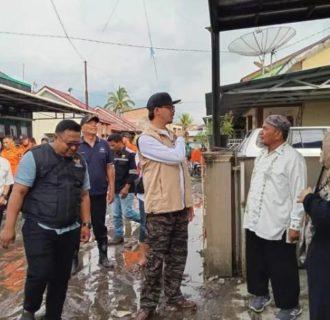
[307, 138]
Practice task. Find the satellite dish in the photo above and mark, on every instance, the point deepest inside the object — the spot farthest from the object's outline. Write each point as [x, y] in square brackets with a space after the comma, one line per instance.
[262, 42]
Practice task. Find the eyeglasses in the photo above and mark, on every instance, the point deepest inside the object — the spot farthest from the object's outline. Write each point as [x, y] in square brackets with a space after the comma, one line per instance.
[169, 107]
[75, 144]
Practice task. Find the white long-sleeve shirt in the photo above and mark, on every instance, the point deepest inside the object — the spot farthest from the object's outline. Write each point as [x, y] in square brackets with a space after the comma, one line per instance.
[276, 181]
[154, 150]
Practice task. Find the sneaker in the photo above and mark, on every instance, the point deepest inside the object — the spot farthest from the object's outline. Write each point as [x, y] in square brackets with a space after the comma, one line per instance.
[258, 303]
[27, 315]
[289, 314]
[144, 314]
[115, 241]
[181, 304]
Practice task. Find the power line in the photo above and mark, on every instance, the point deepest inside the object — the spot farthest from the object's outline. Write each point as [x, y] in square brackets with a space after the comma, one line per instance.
[152, 51]
[54, 36]
[65, 32]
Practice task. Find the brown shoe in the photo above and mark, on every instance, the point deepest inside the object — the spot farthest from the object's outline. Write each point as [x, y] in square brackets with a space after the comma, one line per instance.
[182, 304]
[144, 314]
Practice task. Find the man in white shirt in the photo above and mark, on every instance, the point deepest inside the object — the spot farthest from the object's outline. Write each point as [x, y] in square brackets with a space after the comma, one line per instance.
[273, 220]
[168, 204]
[6, 180]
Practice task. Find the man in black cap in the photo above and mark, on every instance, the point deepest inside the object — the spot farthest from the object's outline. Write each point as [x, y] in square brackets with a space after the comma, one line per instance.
[101, 174]
[24, 143]
[169, 207]
[273, 221]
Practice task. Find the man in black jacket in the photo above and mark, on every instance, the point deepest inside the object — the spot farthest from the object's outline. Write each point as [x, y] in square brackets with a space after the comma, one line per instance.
[51, 188]
[125, 175]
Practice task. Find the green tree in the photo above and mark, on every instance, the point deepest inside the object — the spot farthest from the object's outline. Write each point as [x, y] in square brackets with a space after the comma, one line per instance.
[119, 101]
[185, 121]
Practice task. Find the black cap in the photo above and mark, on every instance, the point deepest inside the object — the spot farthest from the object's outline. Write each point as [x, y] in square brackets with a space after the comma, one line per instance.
[23, 137]
[160, 99]
[89, 118]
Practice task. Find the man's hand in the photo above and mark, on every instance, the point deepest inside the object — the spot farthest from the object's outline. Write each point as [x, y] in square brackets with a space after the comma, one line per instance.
[124, 192]
[85, 234]
[110, 196]
[303, 194]
[180, 133]
[191, 213]
[293, 235]
[7, 236]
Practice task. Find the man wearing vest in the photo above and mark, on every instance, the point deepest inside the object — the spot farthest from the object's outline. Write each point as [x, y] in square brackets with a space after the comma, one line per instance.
[51, 187]
[169, 207]
[125, 175]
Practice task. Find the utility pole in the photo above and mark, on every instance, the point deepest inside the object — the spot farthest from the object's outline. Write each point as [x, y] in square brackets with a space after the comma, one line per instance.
[23, 71]
[86, 87]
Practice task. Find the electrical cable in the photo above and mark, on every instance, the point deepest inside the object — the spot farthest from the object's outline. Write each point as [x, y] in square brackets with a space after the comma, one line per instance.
[64, 30]
[54, 36]
[152, 51]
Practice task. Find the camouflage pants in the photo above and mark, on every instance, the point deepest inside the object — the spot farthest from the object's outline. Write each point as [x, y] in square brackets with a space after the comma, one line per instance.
[166, 260]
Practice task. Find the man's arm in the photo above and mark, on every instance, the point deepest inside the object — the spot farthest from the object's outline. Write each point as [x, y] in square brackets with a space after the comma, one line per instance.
[14, 206]
[298, 182]
[132, 175]
[152, 149]
[111, 182]
[85, 216]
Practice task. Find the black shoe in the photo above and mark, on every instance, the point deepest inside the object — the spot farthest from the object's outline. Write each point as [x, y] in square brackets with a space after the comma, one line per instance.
[75, 264]
[115, 241]
[27, 315]
[104, 262]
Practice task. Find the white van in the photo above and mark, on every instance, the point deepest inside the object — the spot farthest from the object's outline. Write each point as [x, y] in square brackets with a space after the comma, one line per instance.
[307, 141]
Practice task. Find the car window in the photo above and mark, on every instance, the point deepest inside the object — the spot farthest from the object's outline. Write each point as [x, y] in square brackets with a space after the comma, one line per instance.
[306, 138]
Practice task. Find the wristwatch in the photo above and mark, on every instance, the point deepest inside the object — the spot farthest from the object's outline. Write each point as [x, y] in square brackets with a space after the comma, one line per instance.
[87, 224]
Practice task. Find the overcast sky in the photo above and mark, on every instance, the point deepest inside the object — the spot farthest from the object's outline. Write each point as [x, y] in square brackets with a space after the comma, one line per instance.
[173, 24]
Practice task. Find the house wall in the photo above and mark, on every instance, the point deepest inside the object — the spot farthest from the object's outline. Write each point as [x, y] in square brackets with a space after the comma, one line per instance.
[319, 59]
[316, 114]
[139, 117]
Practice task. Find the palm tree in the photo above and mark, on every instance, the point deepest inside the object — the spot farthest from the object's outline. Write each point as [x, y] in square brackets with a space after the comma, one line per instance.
[186, 121]
[119, 101]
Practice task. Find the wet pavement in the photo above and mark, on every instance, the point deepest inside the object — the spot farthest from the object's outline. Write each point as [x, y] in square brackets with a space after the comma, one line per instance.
[96, 293]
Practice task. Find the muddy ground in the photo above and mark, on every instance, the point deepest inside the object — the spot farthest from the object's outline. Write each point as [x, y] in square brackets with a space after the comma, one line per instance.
[99, 294]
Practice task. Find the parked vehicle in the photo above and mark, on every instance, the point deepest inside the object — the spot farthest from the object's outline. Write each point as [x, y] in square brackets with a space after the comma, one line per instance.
[307, 141]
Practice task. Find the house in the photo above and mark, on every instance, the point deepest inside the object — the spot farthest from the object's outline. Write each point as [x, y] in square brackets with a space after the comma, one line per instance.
[296, 86]
[109, 122]
[18, 104]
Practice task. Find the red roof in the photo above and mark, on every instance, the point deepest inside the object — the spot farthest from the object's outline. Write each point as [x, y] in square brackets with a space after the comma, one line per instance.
[117, 123]
[106, 116]
[67, 96]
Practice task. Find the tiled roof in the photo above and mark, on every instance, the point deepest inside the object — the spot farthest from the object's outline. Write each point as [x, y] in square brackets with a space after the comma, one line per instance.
[68, 97]
[106, 116]
[117, 123]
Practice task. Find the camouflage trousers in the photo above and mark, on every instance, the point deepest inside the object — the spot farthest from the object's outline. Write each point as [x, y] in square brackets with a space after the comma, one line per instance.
[166, 259]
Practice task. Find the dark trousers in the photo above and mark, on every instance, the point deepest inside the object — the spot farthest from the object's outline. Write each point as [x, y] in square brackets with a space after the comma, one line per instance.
[167, 239]
[318, 267]
[2, 209]
[273, 260]
[49, 258]
[98, 213]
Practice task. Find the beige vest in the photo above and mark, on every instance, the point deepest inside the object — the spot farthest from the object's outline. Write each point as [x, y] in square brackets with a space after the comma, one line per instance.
[162, 181]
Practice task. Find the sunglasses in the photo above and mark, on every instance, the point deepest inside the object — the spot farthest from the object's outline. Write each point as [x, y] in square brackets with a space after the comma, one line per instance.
[75, 144]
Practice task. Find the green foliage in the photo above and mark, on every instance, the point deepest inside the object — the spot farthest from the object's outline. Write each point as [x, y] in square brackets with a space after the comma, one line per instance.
[186, 121]
[202, 137]
[119, 101]
[227, 125]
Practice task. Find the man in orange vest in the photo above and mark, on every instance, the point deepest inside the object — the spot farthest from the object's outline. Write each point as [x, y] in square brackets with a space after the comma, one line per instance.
[11, 153]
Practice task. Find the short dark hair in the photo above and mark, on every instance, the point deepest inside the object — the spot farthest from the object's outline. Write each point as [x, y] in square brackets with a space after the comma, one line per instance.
[116, 137]
[67, 125]
[151, 115]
